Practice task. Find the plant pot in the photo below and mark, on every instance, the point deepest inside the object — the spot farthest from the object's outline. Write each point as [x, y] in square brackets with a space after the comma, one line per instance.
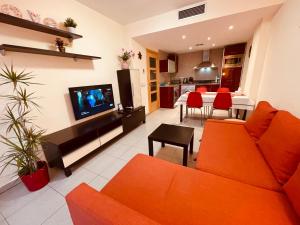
[124, 65]
[62, 49]
[71, 30]
[38, 179]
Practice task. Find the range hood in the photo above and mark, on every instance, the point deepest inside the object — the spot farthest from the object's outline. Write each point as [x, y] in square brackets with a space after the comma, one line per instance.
[206, 63]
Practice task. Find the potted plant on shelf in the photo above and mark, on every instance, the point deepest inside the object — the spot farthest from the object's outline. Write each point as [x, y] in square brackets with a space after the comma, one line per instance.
[21, 136]
[60, 44]
[125, 58]
[71, 25]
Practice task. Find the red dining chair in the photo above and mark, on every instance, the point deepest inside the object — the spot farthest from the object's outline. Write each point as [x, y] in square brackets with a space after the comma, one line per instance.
[223, 101]
[195, 101]
[223, 90]
[201, 89]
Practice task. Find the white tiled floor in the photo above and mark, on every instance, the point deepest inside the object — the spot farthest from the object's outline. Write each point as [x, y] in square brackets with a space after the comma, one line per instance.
[48, 207]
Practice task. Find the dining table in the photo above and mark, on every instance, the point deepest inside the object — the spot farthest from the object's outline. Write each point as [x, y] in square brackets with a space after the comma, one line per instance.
[239, 102]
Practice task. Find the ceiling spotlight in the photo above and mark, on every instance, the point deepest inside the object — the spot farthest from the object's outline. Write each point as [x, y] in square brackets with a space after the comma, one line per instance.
[213, 44]
[183, 37]
[231, 27]
[190, 48]
[209, 38]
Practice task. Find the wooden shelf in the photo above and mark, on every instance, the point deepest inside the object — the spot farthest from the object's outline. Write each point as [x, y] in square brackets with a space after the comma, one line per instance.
[15, 21]
[15, 48]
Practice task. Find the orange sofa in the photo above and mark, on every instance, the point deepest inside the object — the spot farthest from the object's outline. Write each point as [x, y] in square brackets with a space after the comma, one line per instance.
[240, 179]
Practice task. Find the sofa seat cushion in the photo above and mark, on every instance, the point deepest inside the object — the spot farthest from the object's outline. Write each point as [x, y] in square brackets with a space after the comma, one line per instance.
[280, 145]
[174, 195]
[228, 150]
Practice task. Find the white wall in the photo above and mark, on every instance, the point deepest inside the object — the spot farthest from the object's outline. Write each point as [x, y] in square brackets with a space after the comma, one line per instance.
[252, 73]
[281, 74]
[101, 37]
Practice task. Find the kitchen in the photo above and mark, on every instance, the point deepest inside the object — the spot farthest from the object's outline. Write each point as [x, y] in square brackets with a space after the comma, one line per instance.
[180, 73]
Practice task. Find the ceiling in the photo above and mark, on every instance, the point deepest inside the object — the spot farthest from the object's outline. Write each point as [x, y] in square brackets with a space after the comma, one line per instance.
[244, 27]
[129, 11]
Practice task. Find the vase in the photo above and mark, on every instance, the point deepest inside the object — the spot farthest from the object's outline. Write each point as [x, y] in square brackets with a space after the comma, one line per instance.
[125, 65]
[38, 179]
[71, 30]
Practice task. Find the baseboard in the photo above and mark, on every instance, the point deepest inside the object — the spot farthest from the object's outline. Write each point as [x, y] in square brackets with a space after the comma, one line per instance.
[9, 185]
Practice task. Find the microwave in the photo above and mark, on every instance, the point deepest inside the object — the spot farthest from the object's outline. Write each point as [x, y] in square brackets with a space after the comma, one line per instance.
[231, 61]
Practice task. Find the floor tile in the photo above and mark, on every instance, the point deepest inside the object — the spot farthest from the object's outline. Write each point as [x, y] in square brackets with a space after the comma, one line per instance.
[99, 163]
[38, 210]
[16, 198]
[60, 217]
[116, 150]
[98, 183]
[133, 152]
[64, 185]
[113, 169]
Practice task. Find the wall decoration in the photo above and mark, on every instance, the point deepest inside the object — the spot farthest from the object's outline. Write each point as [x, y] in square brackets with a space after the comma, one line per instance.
[11, 10]
[35, 17]
[140, 55]
[50, 22]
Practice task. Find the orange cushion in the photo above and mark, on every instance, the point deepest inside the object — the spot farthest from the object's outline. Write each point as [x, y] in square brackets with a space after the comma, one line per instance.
[193, 197]
[280, 145]
[227, 150]
[292, 189]
[260, 119]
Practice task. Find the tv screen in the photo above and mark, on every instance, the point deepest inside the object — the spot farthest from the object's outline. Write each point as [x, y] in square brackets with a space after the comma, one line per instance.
[90, 100]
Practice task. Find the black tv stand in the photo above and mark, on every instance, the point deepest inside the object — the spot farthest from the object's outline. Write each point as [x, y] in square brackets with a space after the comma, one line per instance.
[66, 147]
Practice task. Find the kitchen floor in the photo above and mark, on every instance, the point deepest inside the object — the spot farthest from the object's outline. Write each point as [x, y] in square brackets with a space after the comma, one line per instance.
[48, 206]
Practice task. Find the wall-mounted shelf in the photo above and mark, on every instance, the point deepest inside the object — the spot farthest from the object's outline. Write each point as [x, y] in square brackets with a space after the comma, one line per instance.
[15, 21]
[15, 48]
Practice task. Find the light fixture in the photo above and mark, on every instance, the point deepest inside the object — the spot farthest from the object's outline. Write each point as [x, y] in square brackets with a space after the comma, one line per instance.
[213, 44]
[209, 38]
[183, 37]
[231, 27]
[190, 48]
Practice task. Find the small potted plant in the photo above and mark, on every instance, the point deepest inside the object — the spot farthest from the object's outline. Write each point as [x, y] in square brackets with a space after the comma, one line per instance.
[71, 25]
[125, 58]
[60, 44]
[22, 136]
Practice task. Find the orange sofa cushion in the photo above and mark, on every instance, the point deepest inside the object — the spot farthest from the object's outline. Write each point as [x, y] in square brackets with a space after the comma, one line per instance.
[227, 150]
[292, 189]
[89, 207]
[280, 145]
[260, 119]
[174, 195]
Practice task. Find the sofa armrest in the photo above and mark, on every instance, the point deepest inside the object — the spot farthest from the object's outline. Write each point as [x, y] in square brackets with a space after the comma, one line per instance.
[87, 206]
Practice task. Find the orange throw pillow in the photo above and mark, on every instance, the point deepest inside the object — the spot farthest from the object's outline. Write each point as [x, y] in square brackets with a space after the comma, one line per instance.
[280, 145]
[292, 189]
[260, 120]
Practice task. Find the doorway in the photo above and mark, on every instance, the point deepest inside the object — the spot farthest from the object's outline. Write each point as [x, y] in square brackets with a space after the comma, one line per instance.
[153, 80]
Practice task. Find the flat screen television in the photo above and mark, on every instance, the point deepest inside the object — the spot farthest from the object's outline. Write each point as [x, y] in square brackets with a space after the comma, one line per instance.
[90, 100]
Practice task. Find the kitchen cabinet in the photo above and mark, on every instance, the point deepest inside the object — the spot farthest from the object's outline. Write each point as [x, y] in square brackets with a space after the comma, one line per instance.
[169, 95]
[231, 78]
[236, 49]
[167, 66]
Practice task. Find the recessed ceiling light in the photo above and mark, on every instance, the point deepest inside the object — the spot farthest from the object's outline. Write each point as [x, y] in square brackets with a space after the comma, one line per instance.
[183, 37]
[190, 48]
[231, 27]
[209, 38]
[213, 44]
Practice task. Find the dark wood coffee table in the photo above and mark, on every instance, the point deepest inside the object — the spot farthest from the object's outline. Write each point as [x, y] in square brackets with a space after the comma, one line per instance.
[174, 135]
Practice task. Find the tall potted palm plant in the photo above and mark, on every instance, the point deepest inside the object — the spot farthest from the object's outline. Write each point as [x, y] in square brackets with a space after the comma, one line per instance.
[21, 135]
